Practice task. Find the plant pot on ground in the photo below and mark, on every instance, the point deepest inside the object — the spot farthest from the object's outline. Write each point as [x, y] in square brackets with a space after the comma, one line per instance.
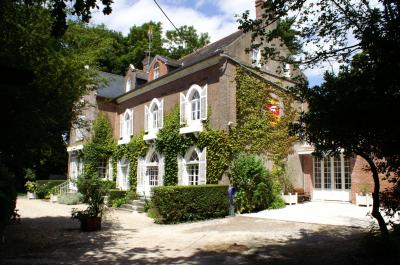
[31, 187]
[94, 190]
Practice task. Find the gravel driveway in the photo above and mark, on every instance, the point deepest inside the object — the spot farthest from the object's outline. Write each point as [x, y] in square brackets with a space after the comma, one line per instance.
[47, 235]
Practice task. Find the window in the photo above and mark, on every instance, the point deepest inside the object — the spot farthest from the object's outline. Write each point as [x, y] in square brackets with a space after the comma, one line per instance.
[80, 127]
[332, 173]
[286, 70]
[126, 125]
[256, 57]
[128, 85]
[123, 174]
[193, 169]
[156, 72]
[195, 106]
[153, 118]
[152, 170]
[102, 169]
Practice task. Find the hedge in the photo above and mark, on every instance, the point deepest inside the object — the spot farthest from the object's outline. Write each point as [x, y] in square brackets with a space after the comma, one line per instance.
[176, 204]
[70, 198]
[114, 194]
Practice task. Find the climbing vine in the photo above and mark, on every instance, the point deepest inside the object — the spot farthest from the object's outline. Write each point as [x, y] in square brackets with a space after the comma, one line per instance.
[258, 131]
[171, 144]
[100, 147]
[132, 151]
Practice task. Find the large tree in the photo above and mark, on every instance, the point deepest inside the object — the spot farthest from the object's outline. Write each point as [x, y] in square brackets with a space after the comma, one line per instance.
[184, 41]
[356, 109]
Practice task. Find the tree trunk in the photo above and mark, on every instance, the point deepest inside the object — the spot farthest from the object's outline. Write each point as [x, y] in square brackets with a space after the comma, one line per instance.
[375, 195]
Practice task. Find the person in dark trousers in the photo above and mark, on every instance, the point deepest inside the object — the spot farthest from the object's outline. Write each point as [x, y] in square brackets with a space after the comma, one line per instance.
[231, 196]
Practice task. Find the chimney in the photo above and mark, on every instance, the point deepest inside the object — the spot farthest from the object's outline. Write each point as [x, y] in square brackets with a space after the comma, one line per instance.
[259, 10]
[146, 63]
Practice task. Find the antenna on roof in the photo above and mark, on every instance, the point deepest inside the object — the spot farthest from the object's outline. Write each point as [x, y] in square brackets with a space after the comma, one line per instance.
[150, 35]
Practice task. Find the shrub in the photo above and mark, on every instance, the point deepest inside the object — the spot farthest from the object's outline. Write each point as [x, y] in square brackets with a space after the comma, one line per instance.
[254, 185]
[175, 204]
[119, 201]
[70, 198]
[43, 187]
[115, 194]
[93, 190]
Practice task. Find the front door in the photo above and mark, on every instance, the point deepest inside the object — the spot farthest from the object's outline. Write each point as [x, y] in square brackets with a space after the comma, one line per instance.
[332, 178]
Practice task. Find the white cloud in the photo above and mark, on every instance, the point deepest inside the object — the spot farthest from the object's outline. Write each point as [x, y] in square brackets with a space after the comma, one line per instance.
[126, 13]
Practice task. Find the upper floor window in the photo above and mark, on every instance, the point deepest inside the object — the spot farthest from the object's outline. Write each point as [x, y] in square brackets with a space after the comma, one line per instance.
[126, 125]
[128, 86]
[256, 57]
[153, 118]
[80, 127]
[156, 71]
[286, 70]
[193, 106]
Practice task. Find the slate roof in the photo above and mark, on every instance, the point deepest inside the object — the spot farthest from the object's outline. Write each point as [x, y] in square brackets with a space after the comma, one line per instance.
[209, 50]
[141, 74]
[114, 87]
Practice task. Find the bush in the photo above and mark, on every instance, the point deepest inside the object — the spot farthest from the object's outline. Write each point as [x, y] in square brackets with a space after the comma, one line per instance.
[43, 187]
[254, 185]
[8, 197]
[93, 190]
[175, 204]
[70, 198]
[114, 195]
[119, 201]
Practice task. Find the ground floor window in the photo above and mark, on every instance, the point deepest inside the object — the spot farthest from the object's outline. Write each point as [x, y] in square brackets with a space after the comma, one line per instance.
[332, 173]
[152, 173]
[102, 168]
[123, 174]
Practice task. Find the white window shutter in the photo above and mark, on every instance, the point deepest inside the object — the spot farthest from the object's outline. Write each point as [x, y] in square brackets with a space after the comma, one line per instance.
[128, 184]
[121, 125]
[181, 171]
[146, 118]
[203, 103]
[139, 173]
[182, 110]
[160, 120]
[161, 171]
[131, 124]
[203, 167]
[118, 175]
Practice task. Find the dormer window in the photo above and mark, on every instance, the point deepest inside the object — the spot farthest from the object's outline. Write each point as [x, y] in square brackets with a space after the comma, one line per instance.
[286, 70]
[128, 85]
[156, 71]
[256, 57]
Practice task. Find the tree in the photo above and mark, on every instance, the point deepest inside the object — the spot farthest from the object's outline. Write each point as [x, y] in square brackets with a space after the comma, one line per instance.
[42, 81]
[184, 41]
[342, 110]
[58, 10]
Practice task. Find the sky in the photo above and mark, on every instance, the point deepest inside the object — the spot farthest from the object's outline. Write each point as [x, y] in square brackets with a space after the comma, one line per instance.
[216, 17]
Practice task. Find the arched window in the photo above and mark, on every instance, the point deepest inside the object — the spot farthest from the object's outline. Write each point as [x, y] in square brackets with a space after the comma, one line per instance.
[152, 171]
[195, 106]
[154, 115]
[156, 71]
[127, 125]
[192, 168]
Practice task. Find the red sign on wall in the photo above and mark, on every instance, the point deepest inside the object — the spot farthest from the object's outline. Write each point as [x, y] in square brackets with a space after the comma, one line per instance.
[274, 109]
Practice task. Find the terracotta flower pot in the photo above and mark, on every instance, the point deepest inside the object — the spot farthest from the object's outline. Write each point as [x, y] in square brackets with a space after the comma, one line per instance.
[91, 224]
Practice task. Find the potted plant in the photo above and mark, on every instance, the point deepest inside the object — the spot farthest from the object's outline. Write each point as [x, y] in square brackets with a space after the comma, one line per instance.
[289, 196]
[93, 189]
[364, 197]
[31, 187]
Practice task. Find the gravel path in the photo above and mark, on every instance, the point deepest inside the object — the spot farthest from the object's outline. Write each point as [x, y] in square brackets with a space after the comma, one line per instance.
[47, 235]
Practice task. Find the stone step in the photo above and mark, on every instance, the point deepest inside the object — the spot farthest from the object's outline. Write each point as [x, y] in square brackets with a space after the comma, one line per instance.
[131, 208]
[137, 202]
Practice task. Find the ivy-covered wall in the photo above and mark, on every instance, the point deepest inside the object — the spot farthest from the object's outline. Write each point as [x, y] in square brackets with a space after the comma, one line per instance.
[257, 131]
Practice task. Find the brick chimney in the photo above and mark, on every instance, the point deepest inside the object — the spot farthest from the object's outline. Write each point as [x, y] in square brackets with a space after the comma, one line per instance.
[259, 10]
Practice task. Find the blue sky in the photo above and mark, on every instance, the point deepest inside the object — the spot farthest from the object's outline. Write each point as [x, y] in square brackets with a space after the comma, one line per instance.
[216, 17]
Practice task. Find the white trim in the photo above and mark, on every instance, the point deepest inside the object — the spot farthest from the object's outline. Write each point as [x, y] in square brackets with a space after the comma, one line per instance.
[193, 125]
[126, 128]
[150, 130]
[74, 148]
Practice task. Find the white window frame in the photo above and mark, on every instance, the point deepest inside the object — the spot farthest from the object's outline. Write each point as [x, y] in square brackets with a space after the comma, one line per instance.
[123, 174]
[102, 168]
[156, 70]
[79, 135]
[128, 86]
[329, 173]
[153, 118]
[255, 57]
[189, 117]
[126, 126]
[184, 164]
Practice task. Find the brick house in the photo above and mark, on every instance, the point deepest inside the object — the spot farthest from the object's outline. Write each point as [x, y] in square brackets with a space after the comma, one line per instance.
[204, 79]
